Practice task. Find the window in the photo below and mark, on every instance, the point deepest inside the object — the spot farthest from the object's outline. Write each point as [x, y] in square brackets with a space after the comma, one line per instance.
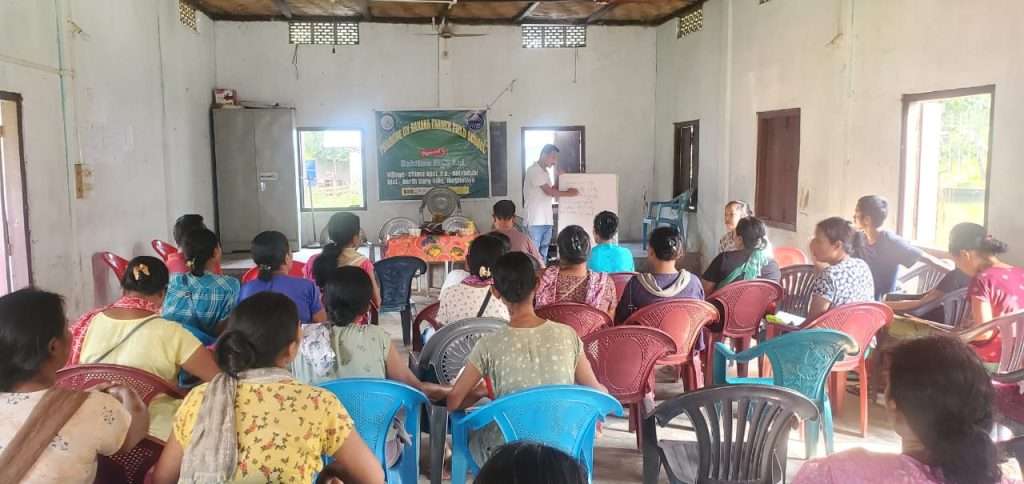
[332, 175]
[15, 269]
[554, 36]
[947, 137]
[778, 166]
[323, 33]
[187, 15]
[691, 22]
[687, 161]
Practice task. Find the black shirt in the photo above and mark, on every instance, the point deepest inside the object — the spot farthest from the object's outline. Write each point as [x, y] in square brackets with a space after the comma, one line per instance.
[726, 262]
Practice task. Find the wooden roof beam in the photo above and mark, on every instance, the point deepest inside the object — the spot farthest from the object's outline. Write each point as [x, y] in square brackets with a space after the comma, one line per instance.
[525, 13]
[678, 12]
[283, 8]
[601, 12]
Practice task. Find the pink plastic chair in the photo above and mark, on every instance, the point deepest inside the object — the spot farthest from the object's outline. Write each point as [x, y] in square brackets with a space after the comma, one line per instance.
[427, 315]
[860, 321]
[742, 306]
[789, 256]
[621, 279]
[147, 385]
[683, 320]
[297, 270]
[163, 249]
[584, 319]
[116, 263]
[623, 359]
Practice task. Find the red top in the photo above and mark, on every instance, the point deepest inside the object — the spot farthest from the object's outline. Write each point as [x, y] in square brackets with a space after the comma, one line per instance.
[1003, 288]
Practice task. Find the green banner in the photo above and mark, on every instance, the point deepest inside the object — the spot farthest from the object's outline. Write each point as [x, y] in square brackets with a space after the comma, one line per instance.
[420, 150]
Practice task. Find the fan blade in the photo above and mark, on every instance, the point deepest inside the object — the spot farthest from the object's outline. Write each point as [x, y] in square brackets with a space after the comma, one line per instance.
[469, 35]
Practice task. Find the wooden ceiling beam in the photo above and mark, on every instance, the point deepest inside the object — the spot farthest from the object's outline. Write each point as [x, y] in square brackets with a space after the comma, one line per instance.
[526, 12]
[678, 12]
[283, 8]
[363, 7]
[601, 12]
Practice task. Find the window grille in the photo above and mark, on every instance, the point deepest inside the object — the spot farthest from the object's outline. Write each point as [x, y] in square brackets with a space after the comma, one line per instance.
[554, 36]
[187, 15]
[323, 33]
[691, 22]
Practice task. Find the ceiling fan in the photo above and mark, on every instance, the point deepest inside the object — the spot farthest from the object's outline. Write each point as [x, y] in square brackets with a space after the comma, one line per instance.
[444, 30]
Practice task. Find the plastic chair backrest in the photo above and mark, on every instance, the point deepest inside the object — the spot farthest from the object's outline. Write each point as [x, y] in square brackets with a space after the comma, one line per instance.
[395, 275]
[743, 304]
[447, 350]
[860, 321]
[163, 249]
[803, 359]
[623, 358]
[1011, 334]
[429, 315]
[955, 308]
[682, 319]
[789, 256]
[297, 270]
[738, 446]
[396, 226]
[116, 263]
[373, 404]
[582, 318]
[147, 385]
[796, 284]
[560, 416]
[129, 467]
[621, 279]
[928, 277]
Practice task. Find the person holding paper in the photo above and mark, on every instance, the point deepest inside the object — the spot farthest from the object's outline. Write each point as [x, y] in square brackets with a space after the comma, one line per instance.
[539, 193]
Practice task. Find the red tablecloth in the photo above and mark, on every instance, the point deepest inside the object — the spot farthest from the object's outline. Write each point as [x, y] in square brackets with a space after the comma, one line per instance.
[431, 248]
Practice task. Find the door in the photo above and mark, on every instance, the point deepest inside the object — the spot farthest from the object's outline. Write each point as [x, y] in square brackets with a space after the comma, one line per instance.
[15, 272]
[238, 217]
[277, 172]
[686, 161]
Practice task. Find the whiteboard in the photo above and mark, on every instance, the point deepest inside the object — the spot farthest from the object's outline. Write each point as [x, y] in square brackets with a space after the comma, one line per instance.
[598, 192]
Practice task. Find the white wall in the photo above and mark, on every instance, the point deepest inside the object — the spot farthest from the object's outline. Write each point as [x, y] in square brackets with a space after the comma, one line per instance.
[133, 108]
[608, 87]
[846, 64]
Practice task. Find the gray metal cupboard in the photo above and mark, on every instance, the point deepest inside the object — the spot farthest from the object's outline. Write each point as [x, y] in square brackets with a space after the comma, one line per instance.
[257, 176]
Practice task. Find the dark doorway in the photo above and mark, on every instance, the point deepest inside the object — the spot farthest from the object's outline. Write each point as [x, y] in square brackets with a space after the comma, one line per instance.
[778, 167]
[686, 161]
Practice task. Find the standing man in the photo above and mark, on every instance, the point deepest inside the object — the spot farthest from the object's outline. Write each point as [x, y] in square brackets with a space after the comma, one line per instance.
[539, 194]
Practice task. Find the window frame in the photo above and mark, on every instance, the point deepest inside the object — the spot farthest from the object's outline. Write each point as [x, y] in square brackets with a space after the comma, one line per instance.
[909, 99]
[758, 162]
[300, 165]
[694, 161]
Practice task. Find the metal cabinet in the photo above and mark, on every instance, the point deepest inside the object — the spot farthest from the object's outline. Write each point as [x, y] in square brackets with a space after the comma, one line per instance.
[257, 175]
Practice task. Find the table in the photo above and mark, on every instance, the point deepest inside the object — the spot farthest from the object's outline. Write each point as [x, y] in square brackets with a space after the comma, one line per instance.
[431, 248]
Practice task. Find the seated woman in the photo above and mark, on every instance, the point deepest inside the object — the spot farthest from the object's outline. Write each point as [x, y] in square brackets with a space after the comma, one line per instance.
[346, 236]
[185, 224]
[751, 260]
[608, 256]
[940, 402]
[530, 352]
[735, 211]
[996, 288]
[50, 434]
[131, 332]
[254, 422]
[664, 281]
[353, 351]
[844, 279]
[570, 280]
[199, 299]
[272, 255]
[530, 462]
[471, 298]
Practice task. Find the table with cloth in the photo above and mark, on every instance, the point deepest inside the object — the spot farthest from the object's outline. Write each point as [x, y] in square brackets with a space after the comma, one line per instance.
[432, 249]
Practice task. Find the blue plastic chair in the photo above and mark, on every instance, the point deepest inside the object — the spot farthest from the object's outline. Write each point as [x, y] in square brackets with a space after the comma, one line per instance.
[561, 416]
[656, 216]
[373, 403]
[800, 361]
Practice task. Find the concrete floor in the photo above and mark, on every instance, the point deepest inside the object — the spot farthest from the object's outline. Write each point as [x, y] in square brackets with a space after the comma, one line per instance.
[617, 460]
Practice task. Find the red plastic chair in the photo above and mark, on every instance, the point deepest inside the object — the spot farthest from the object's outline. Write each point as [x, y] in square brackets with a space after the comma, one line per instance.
[742, 305]
[130, 467]
[427, 315]
[297, 270]
[147, 385]
[584, 319]
[683, 320]
[116, 263]
[163, 249]
[860, 321]
[621, 279]
[623, 359]
[789, 256]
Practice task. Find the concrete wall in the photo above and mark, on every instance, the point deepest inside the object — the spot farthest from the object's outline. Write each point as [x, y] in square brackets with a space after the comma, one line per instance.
[131, 106]
[846, 64]
[608, 87]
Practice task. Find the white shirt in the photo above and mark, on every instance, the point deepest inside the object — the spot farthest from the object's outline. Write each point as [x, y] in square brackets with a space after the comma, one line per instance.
[538, 203]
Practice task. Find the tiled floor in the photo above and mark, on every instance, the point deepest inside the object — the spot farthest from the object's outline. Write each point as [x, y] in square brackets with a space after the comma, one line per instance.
[617, 459]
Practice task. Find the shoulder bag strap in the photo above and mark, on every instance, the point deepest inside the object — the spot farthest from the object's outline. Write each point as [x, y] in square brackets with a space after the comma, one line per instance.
[54, 410]
[126, 337]
[483, 307]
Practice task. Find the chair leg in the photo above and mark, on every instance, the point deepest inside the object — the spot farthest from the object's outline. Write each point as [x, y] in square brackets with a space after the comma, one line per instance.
[632, 417]
[826, 423]
[438, 436]
[651, 453]
[863, 373]
[709, 354]
[812, 429]
[741, 345]
[839, 395]
[406, 325]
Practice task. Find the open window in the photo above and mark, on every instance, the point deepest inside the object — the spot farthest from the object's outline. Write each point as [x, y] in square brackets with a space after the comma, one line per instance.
[332, 175]
[947, 139]
[15, 270]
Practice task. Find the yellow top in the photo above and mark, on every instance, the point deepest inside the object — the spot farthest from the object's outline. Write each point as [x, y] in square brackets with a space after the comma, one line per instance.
[283, 429]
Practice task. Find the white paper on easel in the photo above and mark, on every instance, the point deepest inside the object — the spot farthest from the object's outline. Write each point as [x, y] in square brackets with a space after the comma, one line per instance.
[598, 192]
